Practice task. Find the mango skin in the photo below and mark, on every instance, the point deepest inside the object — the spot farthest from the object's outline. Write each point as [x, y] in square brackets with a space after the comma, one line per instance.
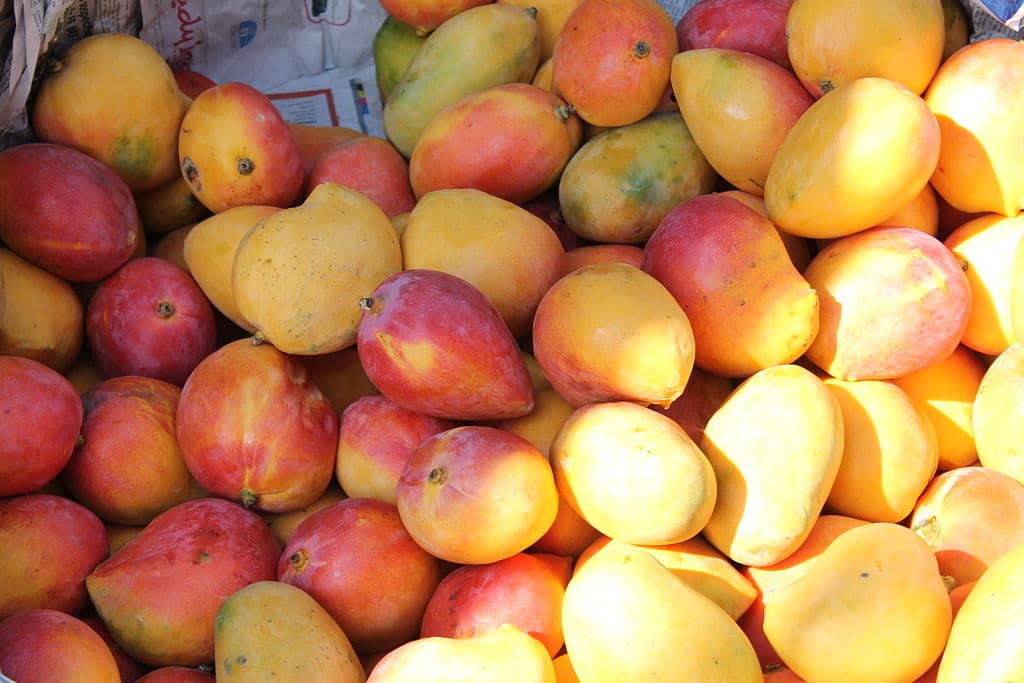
[739, 108]
[478, 48]
[159, 594]
[612, 59]
[394, 45]
[775, 444]
[505, 655]
[113, 97]
[270, 628]
[627, 617]
[984, 644]
[872, 606]
[729, 269]
[621, 183]
[823, 181]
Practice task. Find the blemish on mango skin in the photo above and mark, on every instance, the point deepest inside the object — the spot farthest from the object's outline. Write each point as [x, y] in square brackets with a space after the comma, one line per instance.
[133, 158]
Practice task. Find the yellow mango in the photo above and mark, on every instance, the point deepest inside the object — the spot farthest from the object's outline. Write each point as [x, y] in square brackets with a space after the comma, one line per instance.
[871, 607]
[775, 445]
[41, 316]
[298, 275]
[890, 451]
[270, 629]
[998, 414]
[645, 350]
[505, 251]
[633, 473]
[694, 561]
[505, 654]
[988, 246]
[627, 618]
[113, 96]
[739, 108]
[945, 391]
[855, 157]
[209, 252]
[977, 97]
[986, 642]
[832, 43]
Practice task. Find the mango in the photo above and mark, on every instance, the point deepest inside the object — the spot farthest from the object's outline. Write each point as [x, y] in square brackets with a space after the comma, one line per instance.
[478, 48]
[358, 561]
[775, 444]
[47, 644]
[627, 617]
[502, 249]
[371, 165]
[432, 342]
[505, 655]
[738, 107]
[551, 18]
[621, 183]
[644, 353]
[253, 428]
[750, 308]
[169, 206]
[823, 182]
[987, 624]
[54, 544]
[605, 44]
[41, 315]
[754, 26]
[871, 607]
[970, 517]
[946, 391]
[394, 45]
[209, 254]
[82, 228]
[511, 141]
[113, 97]
[235, 148]
[633, 473]
[975, 106]
[475, 494]
[41, 419]
[297, 275]
[426, 15]
[159, 594]
[996, 415]
[892, 300]
[694, 561]
[269, 628]
[830, 45]
[890, 451]
[987, 246]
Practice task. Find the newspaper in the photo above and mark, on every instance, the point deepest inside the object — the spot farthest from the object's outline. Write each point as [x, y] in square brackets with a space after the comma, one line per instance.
[314, 58]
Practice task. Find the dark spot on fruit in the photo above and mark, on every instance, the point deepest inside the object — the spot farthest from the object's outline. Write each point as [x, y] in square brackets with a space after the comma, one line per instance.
[191, 171]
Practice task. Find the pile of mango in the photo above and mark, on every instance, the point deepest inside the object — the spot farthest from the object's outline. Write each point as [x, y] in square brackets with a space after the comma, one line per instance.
[633, 350]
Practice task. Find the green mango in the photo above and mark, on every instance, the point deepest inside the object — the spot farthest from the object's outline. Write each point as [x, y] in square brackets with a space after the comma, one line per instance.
[623, 181]
[478, 48]
[394, 46]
